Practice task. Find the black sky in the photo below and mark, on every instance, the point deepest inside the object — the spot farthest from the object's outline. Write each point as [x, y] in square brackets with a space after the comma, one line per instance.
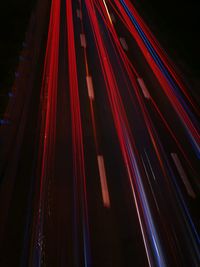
[14, 17]
[176, 25]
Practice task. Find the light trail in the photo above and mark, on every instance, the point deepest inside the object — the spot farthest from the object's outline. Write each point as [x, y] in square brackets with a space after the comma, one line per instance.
[80, 182]
[116, 107]
[104, 2]
[100, 158]
[153, 248]
[47, 134]
[162, 74]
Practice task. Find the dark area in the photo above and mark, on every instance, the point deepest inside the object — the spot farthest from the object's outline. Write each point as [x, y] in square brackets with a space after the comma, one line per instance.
[176, 26]
[14, 18]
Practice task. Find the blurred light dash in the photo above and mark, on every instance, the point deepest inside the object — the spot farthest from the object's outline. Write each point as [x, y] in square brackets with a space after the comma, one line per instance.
[90, 87]
[103, 180]
[144, 88]
[83, 40]
[183, 175]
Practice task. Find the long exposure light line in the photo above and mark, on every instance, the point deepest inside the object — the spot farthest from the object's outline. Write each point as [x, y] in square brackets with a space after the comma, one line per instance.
[77, 138]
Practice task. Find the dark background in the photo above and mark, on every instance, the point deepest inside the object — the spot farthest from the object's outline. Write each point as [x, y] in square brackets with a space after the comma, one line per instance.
[14, 18]
[175, 23]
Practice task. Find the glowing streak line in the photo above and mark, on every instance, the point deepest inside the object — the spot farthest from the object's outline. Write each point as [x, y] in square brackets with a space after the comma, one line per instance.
[107, 12]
